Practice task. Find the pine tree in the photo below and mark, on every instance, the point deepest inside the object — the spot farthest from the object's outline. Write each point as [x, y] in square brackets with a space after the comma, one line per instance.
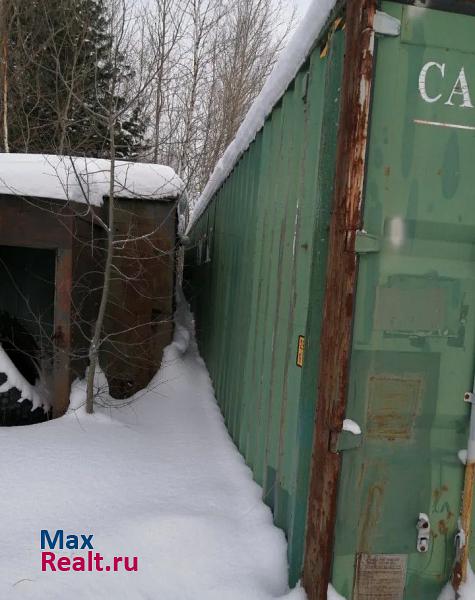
[64, 79]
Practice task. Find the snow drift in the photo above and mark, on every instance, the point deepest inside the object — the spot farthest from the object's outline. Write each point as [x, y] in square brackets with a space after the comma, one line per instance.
[159, 479]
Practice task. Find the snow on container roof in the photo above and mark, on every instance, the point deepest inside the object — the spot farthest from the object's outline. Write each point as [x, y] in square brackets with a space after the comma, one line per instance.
[283, 73]
[80, 179]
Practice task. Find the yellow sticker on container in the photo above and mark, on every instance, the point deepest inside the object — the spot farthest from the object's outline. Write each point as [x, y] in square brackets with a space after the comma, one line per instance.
[300, 351]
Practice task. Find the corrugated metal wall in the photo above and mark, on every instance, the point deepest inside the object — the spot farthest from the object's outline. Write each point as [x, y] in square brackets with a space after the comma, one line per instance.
[255, 274]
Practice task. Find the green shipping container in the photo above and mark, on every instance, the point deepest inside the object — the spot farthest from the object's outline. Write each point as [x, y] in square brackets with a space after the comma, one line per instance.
[332, 277]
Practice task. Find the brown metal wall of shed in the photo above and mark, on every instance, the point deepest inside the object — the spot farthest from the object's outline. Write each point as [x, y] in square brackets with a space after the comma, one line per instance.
[140, 310]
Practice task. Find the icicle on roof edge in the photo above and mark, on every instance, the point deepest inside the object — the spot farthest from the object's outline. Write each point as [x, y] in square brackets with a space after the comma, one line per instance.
[286, 68]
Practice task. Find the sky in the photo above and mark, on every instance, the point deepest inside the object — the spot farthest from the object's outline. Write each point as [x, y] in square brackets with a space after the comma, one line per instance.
[301, 5]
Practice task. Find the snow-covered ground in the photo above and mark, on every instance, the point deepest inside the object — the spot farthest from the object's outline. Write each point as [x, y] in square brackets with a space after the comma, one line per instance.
[466, 591]
[159, 479]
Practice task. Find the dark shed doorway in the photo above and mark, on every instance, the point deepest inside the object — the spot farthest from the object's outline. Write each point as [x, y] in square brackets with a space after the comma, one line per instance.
[27, 306]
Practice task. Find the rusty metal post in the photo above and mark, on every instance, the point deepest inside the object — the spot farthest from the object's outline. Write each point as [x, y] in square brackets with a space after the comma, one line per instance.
[340, 292]
[459, 576]
[62, 331]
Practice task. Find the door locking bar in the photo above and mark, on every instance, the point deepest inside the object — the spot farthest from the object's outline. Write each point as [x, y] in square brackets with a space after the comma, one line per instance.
[459, 575]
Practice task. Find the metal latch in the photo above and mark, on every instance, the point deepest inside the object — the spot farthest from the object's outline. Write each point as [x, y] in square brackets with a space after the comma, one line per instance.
[423, 533]
[366, 243]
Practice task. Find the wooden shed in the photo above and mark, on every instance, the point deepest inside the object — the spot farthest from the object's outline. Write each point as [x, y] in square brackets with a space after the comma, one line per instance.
[53, 231]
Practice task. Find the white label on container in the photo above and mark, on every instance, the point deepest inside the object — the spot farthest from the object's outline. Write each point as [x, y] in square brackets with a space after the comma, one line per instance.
[380, 576]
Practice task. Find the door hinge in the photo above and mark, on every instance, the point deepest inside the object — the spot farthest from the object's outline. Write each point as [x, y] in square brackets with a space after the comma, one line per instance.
[385, 24]
[344, 440]
[365, 243]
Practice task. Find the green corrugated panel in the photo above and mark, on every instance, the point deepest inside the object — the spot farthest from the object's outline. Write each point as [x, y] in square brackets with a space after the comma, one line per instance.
[288, 251]
[251, 384]
[254, 238]
[262, 289]
[319, 186]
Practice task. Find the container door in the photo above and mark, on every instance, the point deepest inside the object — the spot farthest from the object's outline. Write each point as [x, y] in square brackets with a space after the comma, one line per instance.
[413, 352]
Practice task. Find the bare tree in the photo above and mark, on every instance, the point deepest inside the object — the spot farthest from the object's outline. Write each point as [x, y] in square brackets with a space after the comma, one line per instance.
[251, 48]
[195, 68]
[111, 115]
[165, 29]
[104, 118]
[5, 24]
[214, 57]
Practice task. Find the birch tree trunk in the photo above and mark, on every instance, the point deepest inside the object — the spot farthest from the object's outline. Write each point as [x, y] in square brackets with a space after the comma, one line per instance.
[97, 336]
[5, 35]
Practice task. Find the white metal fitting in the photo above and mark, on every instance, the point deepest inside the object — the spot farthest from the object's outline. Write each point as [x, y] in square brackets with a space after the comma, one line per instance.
[423, 533]
[460, 541]
[469, 397]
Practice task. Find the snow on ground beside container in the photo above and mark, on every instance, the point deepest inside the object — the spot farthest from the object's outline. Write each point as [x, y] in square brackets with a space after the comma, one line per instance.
[333, 594]
[466, 592]
[84, 180]
[159, 479]
[288, 65]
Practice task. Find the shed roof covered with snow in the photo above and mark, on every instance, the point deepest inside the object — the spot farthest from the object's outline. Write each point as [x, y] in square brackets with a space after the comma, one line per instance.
[53, 253]
[85, 180]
